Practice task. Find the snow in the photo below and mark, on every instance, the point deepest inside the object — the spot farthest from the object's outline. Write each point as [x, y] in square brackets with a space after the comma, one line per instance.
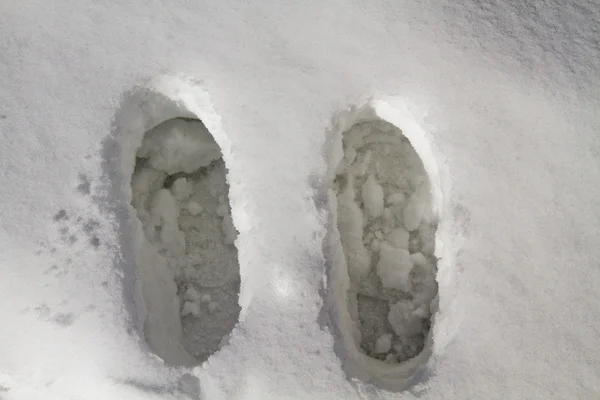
[372, 196]
[499, 102]
[178, 145]
[194, 208]
[363, 307]
[182, 190]
[394, 267]
[398, 238]
[383, 344]
[412, 214]
[197, 248]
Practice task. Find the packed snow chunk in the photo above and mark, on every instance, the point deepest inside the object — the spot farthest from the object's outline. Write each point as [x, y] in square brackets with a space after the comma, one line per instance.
[181, 189]
[179, 145]
[413, 212]
[190, 308]
[381, 188]
[192, 294]
[405, 319]
[164, 210]
[394, 267]
[145, 182]
[194, 208]
[419, 259]
[395, 198]
[212, 307]
[372, 196]
[427, 239]
[180, 194]
[383, 344]
[399, 238]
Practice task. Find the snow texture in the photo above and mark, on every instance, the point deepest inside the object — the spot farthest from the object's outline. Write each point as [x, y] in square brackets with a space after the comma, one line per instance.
[499, 101]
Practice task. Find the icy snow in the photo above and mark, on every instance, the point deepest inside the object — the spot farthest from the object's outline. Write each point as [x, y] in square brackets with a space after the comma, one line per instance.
[499, 100]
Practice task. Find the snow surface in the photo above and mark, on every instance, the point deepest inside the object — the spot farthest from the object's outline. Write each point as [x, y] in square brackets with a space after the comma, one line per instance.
[499, 100]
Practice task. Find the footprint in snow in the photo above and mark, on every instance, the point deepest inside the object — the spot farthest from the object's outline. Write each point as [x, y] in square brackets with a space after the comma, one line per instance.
[381, 202]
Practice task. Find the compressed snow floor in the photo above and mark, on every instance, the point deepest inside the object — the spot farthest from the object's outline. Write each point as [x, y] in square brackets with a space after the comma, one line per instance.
[387, 230]
[180, 194]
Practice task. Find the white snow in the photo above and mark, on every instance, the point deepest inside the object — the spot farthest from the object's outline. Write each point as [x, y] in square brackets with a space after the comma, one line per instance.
[498, 99]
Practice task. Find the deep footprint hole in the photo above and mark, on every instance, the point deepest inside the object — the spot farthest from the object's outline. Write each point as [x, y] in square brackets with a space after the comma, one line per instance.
[384, 214]
[181, 224]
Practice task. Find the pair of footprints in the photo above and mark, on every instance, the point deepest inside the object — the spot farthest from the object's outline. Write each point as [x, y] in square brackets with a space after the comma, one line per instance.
[384, 225]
